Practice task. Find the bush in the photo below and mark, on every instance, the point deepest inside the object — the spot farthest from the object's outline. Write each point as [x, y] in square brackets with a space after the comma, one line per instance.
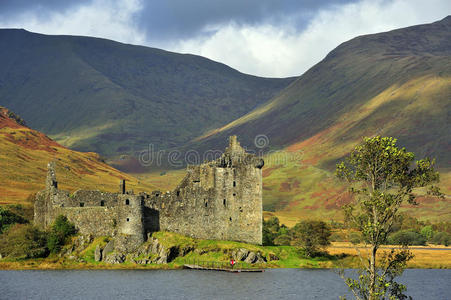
[407, 237]
[8, 218]
[311, 235]
[282, 240]
[270, 231]
[61, 229]
[427, 232]
[441, 238]
[355, 238]
[22, 241]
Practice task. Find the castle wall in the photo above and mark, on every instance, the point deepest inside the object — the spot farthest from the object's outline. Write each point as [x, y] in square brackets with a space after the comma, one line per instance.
[96, 221]
[220, 200]
[214, 201]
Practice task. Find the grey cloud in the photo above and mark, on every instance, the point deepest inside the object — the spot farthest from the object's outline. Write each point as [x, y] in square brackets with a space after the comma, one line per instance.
[184, 19]
[175, 19]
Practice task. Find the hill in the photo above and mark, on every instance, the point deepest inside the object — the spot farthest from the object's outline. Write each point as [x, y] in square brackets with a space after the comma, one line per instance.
[24, 154]
[395, 83]
[93, 94]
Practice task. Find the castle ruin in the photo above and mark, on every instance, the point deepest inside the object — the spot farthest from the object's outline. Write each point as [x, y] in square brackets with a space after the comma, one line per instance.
[220, 199]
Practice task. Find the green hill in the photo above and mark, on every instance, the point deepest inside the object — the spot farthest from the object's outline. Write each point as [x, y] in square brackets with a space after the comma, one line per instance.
[395, 83]
[98, 95]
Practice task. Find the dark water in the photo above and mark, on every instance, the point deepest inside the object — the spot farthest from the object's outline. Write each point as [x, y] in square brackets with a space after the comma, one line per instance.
[190, 284]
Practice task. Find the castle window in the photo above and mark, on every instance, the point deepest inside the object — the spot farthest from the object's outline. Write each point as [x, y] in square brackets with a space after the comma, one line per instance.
[102, 203]
[127, 202]
[234, 194]
[206, 204]
[230, 219]
[224, 202]
[178, 193]
[82, 204]
[234, 184]
[128, 220]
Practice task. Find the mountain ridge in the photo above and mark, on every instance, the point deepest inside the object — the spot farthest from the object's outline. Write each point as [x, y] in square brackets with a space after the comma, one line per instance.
[113, 98]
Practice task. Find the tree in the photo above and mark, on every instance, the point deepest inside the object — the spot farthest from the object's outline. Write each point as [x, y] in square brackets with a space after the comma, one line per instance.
[61, 229]
[382, 176]
[311, 235]
[22, 241]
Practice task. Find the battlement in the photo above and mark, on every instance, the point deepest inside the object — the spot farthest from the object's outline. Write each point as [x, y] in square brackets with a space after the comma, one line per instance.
[220, 199]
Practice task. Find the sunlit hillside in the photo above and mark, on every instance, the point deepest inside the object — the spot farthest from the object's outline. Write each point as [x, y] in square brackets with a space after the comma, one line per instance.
[396, 83]
[24, 154]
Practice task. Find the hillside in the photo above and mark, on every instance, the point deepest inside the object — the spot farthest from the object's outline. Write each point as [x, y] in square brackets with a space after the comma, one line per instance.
[24, 154]
[98, 95]
[395, 83]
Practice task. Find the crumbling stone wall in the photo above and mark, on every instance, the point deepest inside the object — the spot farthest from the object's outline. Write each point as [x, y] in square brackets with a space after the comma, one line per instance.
[221, 199]
[217, 200]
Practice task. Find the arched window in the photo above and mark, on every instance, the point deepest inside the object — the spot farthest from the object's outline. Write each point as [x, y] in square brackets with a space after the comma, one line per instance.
[178, 193]
[127, 202]
[224, 202]
[128, 220]
[206, 204]
[234, 184]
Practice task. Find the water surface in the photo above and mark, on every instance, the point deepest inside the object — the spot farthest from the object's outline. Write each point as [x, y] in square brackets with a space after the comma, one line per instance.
[192, 284]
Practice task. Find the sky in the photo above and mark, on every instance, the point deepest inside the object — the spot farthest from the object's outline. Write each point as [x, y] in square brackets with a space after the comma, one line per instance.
[271, 38]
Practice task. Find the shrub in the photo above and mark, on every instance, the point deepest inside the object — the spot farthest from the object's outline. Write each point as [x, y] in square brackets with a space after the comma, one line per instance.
[441, 238]
[355, 238]
[61, 229]
[282, 240]
[8, 218]
[407, 237]
[22, 241]
[270, 231]
[311, 235]
[427, 232]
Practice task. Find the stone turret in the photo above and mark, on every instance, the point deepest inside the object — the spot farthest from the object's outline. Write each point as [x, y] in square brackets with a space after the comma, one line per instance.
[51, 183]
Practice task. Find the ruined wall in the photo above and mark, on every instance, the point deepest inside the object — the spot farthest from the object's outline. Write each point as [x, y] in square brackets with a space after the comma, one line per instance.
[218, 200]
[97, 221]
[92, 212]
[221, 199]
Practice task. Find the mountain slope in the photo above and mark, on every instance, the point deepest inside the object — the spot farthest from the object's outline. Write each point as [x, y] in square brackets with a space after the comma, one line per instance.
[97, 95]
[24, 154]
[396, 83]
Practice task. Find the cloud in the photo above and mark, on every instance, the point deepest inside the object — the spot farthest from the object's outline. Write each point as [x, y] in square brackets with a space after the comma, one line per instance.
[260, 37]
[99, 18]
[282, 50]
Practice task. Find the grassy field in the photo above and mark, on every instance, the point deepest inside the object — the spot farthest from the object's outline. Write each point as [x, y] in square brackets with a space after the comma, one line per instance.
[425, 257]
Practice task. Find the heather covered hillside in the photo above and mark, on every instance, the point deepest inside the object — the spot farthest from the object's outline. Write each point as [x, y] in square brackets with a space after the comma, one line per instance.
[24, 154]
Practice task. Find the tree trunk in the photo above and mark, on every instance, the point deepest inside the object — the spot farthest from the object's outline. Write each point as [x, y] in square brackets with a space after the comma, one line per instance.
[372, 288]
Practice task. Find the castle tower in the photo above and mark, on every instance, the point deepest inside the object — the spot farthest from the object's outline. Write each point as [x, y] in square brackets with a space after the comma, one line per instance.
[51, 183]
[130, 213]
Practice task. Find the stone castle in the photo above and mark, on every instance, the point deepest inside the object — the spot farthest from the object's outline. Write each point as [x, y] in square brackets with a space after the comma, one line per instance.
[220, 199]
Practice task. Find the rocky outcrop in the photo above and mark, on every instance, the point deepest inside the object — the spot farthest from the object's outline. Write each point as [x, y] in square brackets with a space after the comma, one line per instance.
[248, 256]
[154, 252]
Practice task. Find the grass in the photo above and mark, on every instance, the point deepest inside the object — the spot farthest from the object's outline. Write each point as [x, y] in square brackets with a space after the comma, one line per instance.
[339, 255]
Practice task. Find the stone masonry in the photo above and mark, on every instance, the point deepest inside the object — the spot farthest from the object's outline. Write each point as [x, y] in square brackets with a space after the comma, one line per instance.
[220, 199]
